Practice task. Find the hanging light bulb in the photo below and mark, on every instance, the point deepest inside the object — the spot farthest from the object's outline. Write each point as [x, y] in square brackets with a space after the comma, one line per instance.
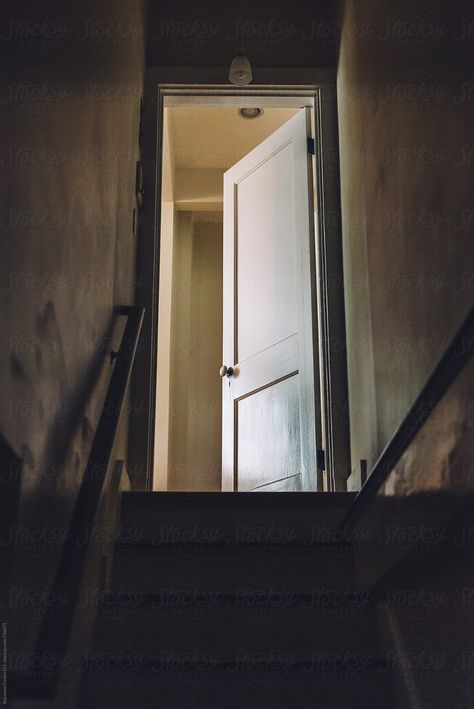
[240, 72]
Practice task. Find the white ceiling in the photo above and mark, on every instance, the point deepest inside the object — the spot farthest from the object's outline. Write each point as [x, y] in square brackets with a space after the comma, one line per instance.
[218, 137]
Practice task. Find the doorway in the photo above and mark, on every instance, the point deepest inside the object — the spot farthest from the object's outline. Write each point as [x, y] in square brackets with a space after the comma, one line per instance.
[187, 411]
[200, 144]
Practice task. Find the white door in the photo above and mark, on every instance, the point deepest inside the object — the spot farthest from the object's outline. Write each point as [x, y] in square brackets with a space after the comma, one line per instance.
[270, 388]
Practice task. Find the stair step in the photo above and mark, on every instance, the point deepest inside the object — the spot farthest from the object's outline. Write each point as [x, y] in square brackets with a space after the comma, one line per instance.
[176, 683]
[233, 518]
[184, 595]
[225, 628]
[337, 543]
[228, 500]
[299, 569]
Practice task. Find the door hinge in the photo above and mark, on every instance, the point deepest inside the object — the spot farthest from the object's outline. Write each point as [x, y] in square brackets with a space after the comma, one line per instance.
[321, 459]
[310, 143]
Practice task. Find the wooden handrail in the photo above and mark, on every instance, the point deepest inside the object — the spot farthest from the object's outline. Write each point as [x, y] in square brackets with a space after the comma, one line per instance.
[455, 357]
[55, 629]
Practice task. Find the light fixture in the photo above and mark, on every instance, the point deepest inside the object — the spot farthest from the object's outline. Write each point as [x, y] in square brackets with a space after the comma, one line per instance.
[240, 72]
[251, 112]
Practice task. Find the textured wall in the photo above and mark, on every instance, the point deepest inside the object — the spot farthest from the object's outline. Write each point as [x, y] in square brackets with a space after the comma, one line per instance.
[71, 84]
[71, 78]
[406, 110]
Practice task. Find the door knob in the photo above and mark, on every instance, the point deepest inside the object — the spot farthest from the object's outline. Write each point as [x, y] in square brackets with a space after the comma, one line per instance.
[226, 371]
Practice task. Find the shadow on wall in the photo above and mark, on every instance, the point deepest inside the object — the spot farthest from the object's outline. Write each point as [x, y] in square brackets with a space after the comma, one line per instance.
[10, 476]
[71, 79]
[41, 493]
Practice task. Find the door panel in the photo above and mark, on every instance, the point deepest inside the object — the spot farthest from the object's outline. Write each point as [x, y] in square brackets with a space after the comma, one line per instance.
[268, 435]
[265, 255]
[272, 364]
[269, 404]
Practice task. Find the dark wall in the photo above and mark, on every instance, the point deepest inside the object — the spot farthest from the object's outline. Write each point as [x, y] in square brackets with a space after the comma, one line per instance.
[71, 80]
[406, 118]
[275, 33]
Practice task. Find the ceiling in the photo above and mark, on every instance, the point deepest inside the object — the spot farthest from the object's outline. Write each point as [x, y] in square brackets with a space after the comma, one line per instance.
[207, 33]
[218, 137]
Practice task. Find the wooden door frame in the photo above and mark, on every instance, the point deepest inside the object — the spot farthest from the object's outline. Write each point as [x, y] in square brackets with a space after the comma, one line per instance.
[319, 85]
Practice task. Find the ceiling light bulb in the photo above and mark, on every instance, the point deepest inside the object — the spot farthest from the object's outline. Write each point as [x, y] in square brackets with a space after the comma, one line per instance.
[240, 72]
[250, 112]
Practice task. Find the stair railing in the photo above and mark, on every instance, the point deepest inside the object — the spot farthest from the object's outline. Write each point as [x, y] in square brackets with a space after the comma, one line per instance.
[459, 352]
[55, 629]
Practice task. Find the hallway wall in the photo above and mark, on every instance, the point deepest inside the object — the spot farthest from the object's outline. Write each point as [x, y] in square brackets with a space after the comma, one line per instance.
[71, 86]
[406, 116]
[71, 80]
[194, 462]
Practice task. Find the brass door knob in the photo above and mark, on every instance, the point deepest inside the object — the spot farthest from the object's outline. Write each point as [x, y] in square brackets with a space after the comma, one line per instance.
[226, 371]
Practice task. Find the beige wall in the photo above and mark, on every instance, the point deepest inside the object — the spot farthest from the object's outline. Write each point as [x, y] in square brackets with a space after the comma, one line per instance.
[69, 143]
[71, 82]
[199, 189]
[196, 353]
[405, 124]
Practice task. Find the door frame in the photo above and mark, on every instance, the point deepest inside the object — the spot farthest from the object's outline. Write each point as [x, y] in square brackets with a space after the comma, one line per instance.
[204, 85]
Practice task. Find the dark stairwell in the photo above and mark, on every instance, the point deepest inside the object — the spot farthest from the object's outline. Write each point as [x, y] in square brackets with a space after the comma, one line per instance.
[70, 113]
[272, 599]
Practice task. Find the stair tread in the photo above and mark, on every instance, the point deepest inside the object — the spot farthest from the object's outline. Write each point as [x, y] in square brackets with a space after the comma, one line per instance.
[249, 684]
[226, 632]
[304, 663]
[151, 543]
[241, 499]
[231, 519]
[129, 599]
[148, 569]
